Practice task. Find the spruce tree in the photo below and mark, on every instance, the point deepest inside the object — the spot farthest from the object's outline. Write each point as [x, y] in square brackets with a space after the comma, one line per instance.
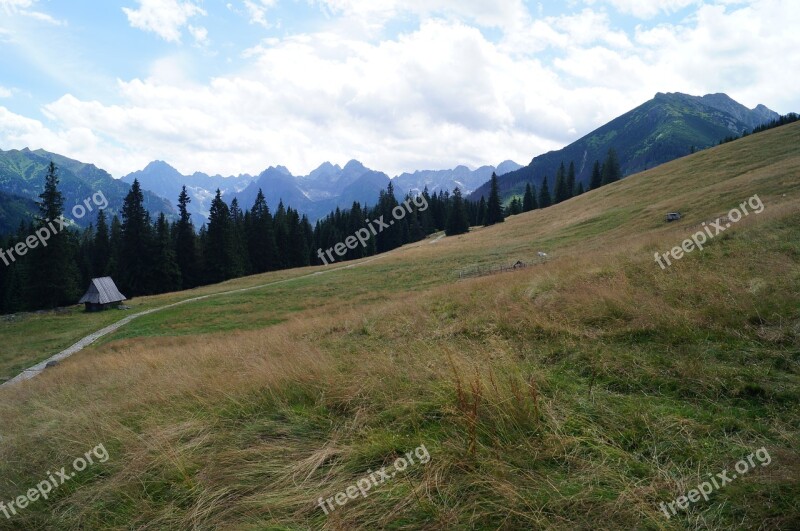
[261, 237]
[298, 247]
[19, 294]
[115, 249]
[54, 278]
[457, 222]
[219, 245]
[544, 195]
[597, 177]
[166, 273]
[529, 199]
[494, 209]
[390, 238]
[281, 236]
[482, 211]
[561, 185]
[186, 243]
[355, 223]
[426, 218]
[611, 168]
[135, 254]
[571, 180]
[239, 263]
[102, 247]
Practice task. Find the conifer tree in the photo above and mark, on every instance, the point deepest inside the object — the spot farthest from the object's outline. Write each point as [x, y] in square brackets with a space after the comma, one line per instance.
[166, 273]
[482, 211]
[115, 249]
[219, 244]
[457, 222]
[101, 251]
[54, 274]
[136, 246]
[494, 208]
[261, 237]
[611, 168]
[281, 236]
[544, 195]
[561, 185]
[571, 180]
[597, 176]
[529, 199]
[298, 248]
[186, 243]
[240, 263]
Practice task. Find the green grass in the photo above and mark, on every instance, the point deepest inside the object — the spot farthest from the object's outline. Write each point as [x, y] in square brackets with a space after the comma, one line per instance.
[575, 394]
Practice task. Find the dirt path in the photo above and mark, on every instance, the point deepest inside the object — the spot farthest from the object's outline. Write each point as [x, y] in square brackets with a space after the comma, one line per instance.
[29, 373]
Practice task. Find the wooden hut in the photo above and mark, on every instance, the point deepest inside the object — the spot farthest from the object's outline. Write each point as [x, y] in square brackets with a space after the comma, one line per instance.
[101, 295]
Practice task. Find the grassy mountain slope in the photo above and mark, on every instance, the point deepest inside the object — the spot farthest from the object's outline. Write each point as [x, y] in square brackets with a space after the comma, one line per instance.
[13, 210]
[578, 393]
[658, 131]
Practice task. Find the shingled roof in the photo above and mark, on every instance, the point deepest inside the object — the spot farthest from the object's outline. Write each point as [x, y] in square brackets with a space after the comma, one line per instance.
[102, 291]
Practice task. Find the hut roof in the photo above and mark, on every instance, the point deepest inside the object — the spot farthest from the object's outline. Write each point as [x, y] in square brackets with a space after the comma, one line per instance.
[102, 291]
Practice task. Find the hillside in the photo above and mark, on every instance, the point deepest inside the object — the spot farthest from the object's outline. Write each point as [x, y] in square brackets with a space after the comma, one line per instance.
[13, 211]
[578, 393]
[665, 128]
[22, 175]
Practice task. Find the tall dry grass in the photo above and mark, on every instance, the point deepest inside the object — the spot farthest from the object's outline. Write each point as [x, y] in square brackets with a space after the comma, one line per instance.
[574, 394]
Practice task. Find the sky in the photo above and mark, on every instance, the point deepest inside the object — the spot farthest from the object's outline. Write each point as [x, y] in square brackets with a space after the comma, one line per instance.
[231, 87]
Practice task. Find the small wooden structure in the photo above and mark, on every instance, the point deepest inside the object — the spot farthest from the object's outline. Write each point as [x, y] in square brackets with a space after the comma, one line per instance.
[102, 295]
[673, 216]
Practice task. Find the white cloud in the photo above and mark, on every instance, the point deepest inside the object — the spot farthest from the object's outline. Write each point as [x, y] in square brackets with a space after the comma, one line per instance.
[165, 18]
[199, 33]
[11, 6]
[257, 10]
[375, 13]
[79, 142]
[5, 92]
[44, 17]
[647, 9]
[441, 95]
[20, 7]
[563, 32]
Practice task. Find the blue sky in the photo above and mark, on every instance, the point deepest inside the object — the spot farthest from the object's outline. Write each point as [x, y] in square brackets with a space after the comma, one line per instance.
[233, 87]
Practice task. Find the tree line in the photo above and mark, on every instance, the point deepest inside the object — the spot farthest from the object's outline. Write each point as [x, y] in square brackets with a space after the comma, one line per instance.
[782, 120]
[147, 256]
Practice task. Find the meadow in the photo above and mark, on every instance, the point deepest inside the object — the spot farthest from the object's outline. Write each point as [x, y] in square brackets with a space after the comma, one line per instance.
[578, 393]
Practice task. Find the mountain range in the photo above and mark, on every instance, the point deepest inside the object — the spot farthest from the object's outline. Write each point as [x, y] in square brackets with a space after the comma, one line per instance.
[662, 129]
[328, 187]
[667, 127]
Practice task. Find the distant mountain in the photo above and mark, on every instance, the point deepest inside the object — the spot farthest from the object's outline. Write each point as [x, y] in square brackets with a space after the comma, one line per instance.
[22, 175]
[320, 192]
[665, 128]
[328, 187]
[317, 194]
[166, 182]
[277, 184]
[462, 177]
